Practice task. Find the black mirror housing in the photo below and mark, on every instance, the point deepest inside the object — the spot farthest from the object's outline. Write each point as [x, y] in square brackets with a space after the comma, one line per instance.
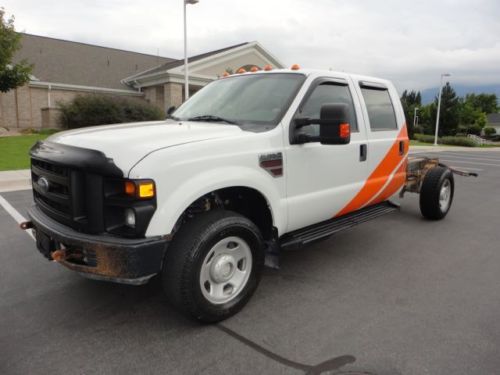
[334, 128]
[171, 110]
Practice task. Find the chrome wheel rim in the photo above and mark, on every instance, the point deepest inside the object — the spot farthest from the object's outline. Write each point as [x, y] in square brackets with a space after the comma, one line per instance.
[225, 270]
[445, 196]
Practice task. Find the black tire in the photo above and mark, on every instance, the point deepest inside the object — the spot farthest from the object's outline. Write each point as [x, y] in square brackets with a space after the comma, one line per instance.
[187, 252]
[434, 181]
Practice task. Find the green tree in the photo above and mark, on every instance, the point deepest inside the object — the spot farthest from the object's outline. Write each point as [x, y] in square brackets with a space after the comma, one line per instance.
[469, 115]
[450, 111]
[486, 103]
[11, 75]
[425, 118]
[410, 101]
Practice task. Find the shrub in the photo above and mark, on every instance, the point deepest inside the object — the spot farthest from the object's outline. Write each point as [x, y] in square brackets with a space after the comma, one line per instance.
[90, 110]
[417, 129]
[474, 129]
[488, 131]
[423, 138]
[457, 141]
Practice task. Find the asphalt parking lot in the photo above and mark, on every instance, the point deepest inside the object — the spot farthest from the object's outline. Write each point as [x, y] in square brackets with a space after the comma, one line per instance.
[398, 295]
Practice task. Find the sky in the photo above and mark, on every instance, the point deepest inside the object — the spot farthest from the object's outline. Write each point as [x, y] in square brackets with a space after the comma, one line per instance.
[408, 42]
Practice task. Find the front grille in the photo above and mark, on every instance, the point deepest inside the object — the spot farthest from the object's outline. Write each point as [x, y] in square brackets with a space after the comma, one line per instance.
[58, 190]
[84, 190]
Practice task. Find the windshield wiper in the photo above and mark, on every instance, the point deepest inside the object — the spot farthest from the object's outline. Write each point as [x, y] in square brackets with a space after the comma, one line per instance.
[212, 118]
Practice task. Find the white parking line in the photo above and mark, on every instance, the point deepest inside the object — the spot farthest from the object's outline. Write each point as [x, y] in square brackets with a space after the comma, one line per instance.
[466, 168]
[469, 162]
[473, 157]
[15, 214]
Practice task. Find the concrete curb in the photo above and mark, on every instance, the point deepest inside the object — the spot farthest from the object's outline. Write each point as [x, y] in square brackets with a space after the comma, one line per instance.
[15, 180]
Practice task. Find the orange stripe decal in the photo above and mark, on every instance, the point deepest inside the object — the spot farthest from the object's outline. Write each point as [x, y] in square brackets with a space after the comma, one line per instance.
[379, 176]
[396, 183]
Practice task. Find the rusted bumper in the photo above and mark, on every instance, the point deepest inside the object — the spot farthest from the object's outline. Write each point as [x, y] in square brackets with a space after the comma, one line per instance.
[103, 257]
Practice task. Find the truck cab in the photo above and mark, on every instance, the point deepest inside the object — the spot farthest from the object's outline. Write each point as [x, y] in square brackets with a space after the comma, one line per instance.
[251, 164]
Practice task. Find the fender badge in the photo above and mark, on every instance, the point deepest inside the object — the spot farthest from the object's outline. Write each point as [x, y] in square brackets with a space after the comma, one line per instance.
[272, 163]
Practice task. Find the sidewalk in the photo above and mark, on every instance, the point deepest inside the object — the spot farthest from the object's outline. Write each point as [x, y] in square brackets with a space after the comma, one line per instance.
[15, 180]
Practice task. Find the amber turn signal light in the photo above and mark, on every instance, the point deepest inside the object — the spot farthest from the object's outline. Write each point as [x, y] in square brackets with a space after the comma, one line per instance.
[130, 188]
[146, 189]
[344, 130]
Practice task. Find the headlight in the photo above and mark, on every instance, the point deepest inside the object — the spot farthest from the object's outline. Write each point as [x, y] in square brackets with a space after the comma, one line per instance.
[141, 189]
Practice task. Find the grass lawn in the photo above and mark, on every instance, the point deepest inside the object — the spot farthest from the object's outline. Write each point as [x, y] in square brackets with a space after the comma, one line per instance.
[418, 143]
[14, 151]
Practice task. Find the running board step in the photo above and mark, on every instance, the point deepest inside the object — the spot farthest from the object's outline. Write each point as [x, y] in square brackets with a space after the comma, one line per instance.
[324, 229]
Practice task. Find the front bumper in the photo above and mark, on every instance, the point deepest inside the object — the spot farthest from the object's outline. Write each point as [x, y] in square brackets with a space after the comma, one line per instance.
[103, 257]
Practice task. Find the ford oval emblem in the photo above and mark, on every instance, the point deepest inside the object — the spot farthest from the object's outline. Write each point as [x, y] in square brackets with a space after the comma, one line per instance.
[43, 183]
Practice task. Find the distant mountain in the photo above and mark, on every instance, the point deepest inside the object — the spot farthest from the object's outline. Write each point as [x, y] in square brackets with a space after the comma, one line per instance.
[428, 95]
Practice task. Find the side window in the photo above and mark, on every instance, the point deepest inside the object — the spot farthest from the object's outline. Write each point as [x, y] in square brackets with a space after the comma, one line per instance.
[327, 93]
[380, 109]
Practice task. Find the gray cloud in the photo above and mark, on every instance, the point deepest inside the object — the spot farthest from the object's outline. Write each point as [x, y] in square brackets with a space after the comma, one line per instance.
[408, 42]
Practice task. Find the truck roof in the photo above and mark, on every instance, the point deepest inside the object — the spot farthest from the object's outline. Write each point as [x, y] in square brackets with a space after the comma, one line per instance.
[318, 73]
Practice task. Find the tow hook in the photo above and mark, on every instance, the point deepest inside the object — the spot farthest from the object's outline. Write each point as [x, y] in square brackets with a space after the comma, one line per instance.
[25, 225]
[58, 255]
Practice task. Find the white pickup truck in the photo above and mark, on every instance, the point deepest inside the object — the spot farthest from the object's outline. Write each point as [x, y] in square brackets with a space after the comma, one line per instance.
[253, 163]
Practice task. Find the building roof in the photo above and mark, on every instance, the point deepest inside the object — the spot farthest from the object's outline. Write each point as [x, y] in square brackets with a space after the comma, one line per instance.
[493, 118]
[175, 63]
[62, 61]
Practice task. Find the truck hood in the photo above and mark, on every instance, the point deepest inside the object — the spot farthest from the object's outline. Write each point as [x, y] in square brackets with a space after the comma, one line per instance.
[126, 144]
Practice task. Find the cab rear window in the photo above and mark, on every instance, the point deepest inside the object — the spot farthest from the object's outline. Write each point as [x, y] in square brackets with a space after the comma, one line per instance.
[380, 109]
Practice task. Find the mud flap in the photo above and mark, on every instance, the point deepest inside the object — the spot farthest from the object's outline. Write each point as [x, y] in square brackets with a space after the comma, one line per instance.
[272, 256]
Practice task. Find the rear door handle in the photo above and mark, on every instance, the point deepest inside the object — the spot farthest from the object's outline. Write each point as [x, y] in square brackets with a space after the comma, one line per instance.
[362, 152]
[401, 147]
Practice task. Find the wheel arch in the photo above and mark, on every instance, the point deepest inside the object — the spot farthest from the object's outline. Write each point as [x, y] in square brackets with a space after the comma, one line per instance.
[257, 199]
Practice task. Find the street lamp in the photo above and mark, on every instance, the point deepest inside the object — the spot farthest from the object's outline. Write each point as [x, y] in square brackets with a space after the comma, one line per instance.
[439, 107]
[415, 117]
[186, 82]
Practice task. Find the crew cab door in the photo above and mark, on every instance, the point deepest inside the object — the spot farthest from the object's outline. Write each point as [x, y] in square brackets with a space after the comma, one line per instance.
[321, 179]
[387, 143]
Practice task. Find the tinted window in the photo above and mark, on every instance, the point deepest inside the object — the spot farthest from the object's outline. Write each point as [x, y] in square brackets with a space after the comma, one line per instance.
[380, 109]
[327, 93]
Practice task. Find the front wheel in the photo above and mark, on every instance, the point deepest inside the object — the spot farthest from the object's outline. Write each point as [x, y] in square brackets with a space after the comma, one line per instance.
[436, 193]
[213, 265]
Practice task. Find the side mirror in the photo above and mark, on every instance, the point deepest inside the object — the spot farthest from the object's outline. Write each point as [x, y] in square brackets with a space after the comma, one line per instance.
[334, 128]
[171, 110]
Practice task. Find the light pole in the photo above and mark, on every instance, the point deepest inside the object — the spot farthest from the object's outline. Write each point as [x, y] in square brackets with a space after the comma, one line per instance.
[186, 82]
[415, 117]
[439, 107]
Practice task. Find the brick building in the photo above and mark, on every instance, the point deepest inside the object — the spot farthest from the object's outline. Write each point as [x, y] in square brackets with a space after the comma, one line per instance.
[64, 69]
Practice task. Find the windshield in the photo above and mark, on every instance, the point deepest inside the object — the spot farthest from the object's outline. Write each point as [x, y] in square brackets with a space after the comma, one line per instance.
[259, 99]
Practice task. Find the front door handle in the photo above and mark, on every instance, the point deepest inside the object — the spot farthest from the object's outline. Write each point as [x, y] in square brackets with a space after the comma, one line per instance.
[362, 152]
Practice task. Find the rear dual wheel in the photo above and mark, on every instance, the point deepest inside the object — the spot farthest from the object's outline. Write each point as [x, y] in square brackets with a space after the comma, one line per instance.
[213, 265]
